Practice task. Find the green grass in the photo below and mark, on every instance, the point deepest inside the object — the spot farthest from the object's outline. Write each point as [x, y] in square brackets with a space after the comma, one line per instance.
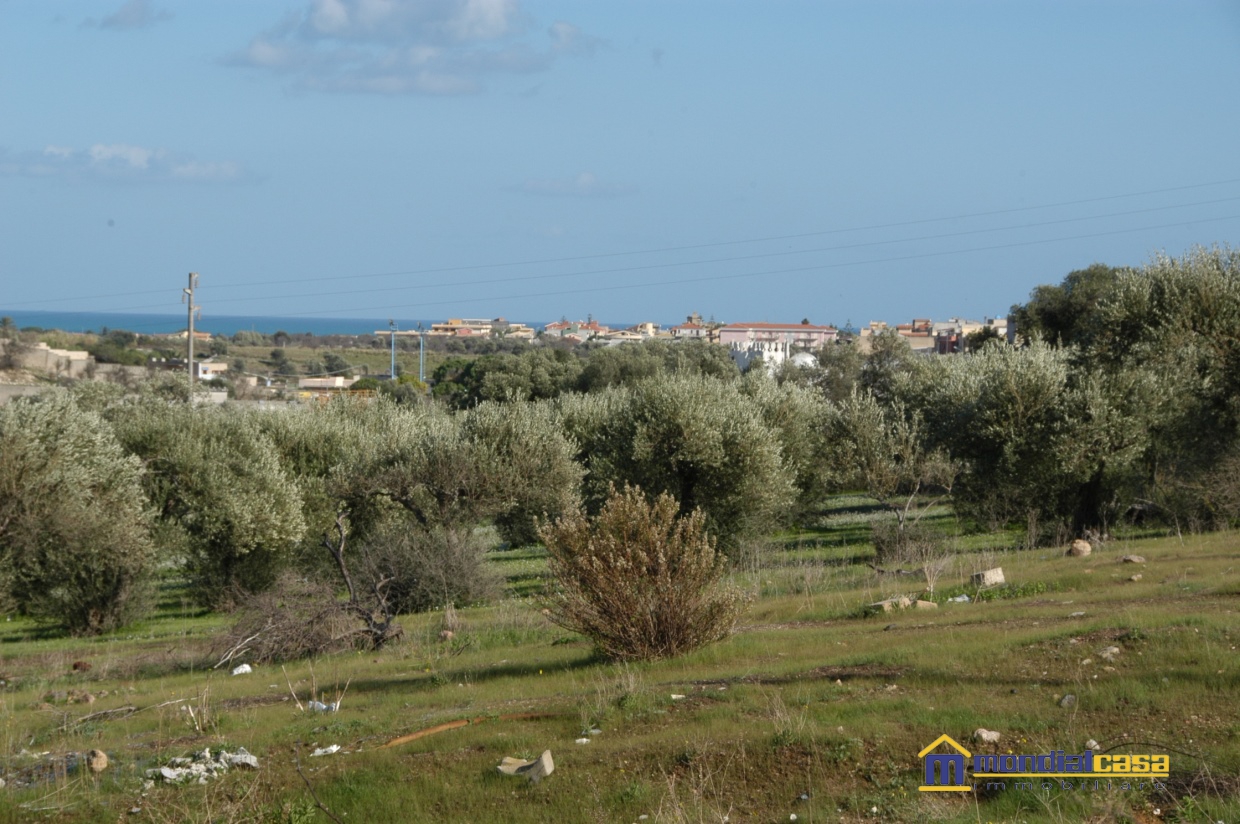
[804, 700]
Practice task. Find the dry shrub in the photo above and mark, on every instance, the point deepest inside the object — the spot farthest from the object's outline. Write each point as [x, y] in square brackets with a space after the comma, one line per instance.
[427, 569]
[894, 544]
[639, 581]
[296, 618]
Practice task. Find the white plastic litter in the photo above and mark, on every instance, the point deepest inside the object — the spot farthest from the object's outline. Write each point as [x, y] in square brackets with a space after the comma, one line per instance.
[676, 697]
[582, 741]
[960, 599]
[333, 749]
[244, 669]
[319, 706]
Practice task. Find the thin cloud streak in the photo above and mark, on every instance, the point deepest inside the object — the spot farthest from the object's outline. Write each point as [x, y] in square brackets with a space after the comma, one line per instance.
[118, 162]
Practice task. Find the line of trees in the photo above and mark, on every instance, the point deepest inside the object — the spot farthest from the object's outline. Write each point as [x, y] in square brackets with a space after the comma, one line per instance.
[1121, 401]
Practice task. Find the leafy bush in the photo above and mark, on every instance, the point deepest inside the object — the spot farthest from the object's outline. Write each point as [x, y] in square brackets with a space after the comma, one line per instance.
[639, 581]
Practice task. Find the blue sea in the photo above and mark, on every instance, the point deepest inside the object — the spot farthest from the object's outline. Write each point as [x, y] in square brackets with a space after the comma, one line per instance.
[215, 324]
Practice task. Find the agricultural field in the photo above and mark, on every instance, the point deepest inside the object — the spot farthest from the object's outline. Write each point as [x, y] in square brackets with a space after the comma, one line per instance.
[815, 710]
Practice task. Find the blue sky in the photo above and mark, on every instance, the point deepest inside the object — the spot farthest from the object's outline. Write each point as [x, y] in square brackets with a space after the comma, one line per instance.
[631, 160]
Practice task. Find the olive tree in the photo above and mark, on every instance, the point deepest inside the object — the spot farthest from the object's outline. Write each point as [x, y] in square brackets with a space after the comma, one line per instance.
[217, 483]
[886, 451]
[696, 438]
[75, 547]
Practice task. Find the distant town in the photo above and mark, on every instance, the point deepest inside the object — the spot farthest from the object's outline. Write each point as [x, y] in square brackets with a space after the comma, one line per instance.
[747, 342]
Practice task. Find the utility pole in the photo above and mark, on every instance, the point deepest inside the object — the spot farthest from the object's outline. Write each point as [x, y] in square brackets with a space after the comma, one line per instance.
[192, 309]
[421, 354]
[392, 325]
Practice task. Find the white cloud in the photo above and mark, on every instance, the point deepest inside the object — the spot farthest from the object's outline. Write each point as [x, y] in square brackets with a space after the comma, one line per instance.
[135, 14]
[585, 184]
[116, 162]
[443, 47]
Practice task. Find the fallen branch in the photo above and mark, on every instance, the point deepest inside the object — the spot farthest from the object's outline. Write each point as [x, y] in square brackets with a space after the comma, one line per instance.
[242, 645]
[882, 571]
[119, 712]
[465, 722]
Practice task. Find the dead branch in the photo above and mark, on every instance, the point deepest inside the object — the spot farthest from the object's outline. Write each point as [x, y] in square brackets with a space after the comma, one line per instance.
[243, 645]
[317, 801]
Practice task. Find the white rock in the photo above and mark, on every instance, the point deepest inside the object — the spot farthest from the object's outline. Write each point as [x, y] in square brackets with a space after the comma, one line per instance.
[1079, 549]
[582, 741]
[1109, 653]
[988, 577]
[244, 669]
[1091, 744]
[333, 749]
[986, 736]
[535, 770]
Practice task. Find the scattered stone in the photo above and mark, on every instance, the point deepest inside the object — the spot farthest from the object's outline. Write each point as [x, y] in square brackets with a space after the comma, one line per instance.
[1077, 615]
[986, 736]
[1087, 662]
[1132, 559]
[81, 666]
[925, 605]
[96, 761]
[535, 770]
[1079, 549]
[332, 750]
[889, 627]
[202, 767]
[1068, 701]
[1136, 577]
[1109, 653]
[447, 635]
[582, 741]
[898, 602]
[677, 697]
[988, 577]
[1091, 744]
[244, 669]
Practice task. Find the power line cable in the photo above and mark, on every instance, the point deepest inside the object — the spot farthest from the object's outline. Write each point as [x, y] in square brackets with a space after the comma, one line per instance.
[901, 258]
[730, 259]
[687, 247]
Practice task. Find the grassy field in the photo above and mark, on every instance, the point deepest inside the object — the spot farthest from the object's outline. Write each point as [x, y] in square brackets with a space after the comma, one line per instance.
[812, 709]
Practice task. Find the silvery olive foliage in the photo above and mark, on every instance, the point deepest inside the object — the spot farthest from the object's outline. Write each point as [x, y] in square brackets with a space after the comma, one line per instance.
[75, 547]
[217, 483]
[698, 439]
